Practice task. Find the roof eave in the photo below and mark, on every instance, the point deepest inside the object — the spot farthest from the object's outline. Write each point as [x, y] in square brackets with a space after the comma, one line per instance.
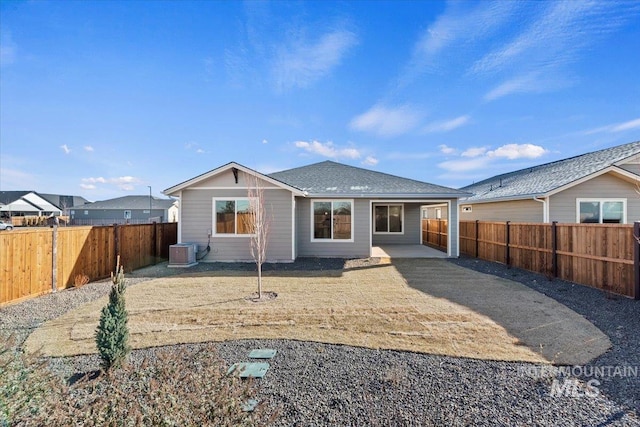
[388, 195]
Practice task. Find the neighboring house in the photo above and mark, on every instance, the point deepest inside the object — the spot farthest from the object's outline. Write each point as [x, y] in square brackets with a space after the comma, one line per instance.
[325, 209]
[597, 187]
[125, 210]
[31, 203]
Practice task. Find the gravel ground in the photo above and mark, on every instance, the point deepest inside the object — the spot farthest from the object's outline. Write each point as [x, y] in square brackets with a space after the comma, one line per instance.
[322, 384]
[618, 317]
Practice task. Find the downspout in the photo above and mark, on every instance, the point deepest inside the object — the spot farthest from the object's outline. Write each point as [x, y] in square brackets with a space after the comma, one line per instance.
[545, 208]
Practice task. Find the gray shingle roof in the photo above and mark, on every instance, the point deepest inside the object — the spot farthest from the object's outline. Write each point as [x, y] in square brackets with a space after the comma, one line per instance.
[129, 202]
[335, 179]
[542, 179]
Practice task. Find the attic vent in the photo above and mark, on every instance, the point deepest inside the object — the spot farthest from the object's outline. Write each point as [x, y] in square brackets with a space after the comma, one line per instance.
[359, 187]
[466, 208]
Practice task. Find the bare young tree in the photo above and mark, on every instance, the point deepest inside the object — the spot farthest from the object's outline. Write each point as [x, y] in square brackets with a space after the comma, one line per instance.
[258, 224]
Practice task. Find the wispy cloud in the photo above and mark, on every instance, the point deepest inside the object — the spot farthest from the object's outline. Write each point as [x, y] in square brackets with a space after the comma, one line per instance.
[404, 155]
[300, 63]
[328, 149]
[535, 59]
[616, 127]
[445, 149]
[297, 55]
[476, 158]
[65, 148]
[8, 49]
[387, 121]
[518, 151]
[458, 28]
[532, 56]
[195, 147]
[448, 125]
[125, 183]
[474, 152]
[88, 148]
[370, 161]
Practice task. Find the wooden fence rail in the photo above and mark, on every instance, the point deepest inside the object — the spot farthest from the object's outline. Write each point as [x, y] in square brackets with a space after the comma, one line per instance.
[596, 255]
[38, 261]
[434, 233]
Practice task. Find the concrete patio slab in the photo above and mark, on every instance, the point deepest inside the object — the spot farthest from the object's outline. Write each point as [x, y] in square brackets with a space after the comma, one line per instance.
[406, 251]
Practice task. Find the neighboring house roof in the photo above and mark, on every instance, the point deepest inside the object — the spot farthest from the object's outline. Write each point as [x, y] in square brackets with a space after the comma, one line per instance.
[64, 201]
[332, 179]
[128, 203]
[549, 178]
[34, 201]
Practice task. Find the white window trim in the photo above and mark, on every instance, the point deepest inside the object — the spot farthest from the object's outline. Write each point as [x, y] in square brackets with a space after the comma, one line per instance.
[602, 200]
[214, 218]
[312, 219]
[397, 233]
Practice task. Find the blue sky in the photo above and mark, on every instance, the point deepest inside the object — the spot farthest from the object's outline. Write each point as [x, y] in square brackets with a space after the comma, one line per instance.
[102, 99]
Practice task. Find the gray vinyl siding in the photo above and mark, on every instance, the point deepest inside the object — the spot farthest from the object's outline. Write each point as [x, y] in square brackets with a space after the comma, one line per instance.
[197, 222]
[360, 247]
[431, 212]
[111, 216]
[411, 228]
[562, 206]
[517, 211]
[631, 167]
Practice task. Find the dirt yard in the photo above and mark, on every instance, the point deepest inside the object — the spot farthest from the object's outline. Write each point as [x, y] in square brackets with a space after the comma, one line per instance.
[366, 306]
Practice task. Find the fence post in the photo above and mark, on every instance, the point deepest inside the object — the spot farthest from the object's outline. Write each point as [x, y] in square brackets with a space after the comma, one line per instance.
[155, 242]
[477, 227]
[116, 246]
[636, 260]
[554, 249]
[54, 260]
[507, 254]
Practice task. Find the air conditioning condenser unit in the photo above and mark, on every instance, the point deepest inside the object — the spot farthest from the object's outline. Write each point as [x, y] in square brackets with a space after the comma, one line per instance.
[182, 255]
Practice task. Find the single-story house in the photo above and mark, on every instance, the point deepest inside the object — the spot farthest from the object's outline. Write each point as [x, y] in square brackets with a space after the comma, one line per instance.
[31, 203]
[325, 209]
[597, 187]
[125, 210]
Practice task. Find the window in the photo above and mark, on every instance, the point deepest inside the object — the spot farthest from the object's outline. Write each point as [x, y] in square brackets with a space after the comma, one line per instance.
[602, 211]
[332, 220]
[388, 218]
[232, 216]
[127, 214]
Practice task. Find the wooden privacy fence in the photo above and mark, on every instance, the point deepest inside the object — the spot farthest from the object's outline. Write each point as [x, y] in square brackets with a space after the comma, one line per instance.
[38, 261]
[604, 256]
[434, 233]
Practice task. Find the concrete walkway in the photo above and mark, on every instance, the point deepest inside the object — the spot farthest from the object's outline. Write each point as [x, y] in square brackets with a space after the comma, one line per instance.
[561, 335]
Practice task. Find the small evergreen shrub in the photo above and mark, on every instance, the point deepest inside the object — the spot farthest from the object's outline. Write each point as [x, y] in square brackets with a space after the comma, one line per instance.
[112, 334]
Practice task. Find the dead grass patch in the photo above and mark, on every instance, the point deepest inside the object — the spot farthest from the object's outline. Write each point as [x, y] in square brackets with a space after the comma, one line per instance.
[370, 307]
